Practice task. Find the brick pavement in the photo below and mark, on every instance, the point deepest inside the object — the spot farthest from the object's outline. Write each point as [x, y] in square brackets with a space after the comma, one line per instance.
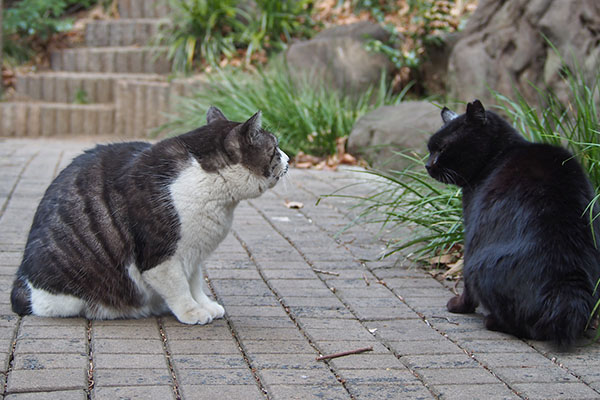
[281, 313]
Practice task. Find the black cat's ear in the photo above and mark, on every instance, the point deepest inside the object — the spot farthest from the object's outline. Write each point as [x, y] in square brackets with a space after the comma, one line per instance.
[476, 113]
[448, 115]
[251, 128]
[214, 114]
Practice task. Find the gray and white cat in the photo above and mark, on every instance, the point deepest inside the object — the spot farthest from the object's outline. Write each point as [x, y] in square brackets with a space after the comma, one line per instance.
[122, 232]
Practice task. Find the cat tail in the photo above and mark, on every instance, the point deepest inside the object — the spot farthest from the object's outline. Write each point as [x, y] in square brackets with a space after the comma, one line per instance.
[20, 297]
[567, 310]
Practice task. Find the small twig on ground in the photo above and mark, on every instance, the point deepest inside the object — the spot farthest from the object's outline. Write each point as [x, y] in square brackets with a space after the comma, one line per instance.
[344, 353]
[446, 318]
[366, 279]
[320, 271]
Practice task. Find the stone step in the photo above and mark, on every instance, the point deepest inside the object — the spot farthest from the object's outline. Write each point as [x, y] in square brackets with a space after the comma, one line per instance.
[122, 32]
[143, 8]
[66, 87]
[56, 119]
[143, 106]
[127, 59]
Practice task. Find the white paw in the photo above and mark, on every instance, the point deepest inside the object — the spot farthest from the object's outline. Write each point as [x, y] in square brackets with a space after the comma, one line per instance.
[193, 316]
[214, 309]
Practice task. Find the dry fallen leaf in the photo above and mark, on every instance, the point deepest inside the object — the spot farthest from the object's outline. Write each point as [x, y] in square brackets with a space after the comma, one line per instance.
[455, 268]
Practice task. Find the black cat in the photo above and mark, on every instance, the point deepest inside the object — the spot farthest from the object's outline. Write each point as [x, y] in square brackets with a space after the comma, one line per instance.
[530, 253]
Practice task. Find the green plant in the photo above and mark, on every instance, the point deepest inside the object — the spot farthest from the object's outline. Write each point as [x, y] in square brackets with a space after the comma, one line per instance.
[411, 200]
[410, 196]
[29, 25]
[307, 117]
[208, 31]
[81, 97]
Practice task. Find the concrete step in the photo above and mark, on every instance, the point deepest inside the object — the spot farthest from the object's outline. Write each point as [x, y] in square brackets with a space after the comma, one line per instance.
[143, 8]
[122, 32]
[65, 87]
[127, 59]
[143, 106]
[56, 119]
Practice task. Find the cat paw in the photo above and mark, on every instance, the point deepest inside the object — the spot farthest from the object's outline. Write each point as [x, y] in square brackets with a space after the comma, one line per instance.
[195, 316]
[214, 309]
[458, 305]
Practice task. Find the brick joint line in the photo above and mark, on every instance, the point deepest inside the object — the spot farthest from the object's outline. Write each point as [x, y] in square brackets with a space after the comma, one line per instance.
[164, 341]
[286, 308]
[238, 342]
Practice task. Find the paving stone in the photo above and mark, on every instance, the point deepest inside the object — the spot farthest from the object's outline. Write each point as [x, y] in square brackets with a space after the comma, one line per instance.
[302, 392]
[127, 346]
[50, 361]
[458, 376]
[270, 334]
[496, 346]
[389, 392]
[556, 390]
[521, 360]
[476, 391]
[367, 361]
[440, 345]
[234, 391]
[263, 322]
[270, 300]
[256, 311]
[75, 345]
[208, 361]
[379, 377]
[132, 377]
[277, 346]
[439, 361]
[46, 380]
[126, 332]
[263, 361]
[134, 392]
[203, 347]
[404, 329]
[129, 361]
[534, 374]
[297, 377]
[229, 376]
[52, 332]
[60, 394]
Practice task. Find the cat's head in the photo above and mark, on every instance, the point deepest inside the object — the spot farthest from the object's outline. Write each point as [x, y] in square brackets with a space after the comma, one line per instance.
[249, 145]
[466, 144]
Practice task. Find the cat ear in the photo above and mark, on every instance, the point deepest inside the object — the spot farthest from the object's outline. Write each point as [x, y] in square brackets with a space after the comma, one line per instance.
[448, 115]
[476, 112]
[251, 128]
[214, 114]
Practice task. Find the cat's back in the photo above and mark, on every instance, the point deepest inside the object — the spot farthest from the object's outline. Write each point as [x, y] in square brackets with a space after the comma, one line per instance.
[537, 195]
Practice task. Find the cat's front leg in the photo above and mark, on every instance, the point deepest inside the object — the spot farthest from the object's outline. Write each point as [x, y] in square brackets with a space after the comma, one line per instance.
[170, 282]
[463, 304]
[199, 294]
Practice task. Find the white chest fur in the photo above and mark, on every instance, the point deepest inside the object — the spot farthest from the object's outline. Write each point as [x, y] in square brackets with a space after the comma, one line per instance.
[204, 205]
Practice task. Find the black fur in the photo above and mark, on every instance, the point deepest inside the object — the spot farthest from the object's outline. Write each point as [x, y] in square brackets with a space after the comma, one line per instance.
[530, 253]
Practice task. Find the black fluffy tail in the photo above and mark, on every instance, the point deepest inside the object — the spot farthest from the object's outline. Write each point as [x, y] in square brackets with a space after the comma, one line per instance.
[20, 297]
[567, 311]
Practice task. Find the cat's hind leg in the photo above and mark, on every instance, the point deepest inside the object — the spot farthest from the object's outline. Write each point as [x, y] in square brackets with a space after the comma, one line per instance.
[463, 304]
[170, 282]
[199, 294]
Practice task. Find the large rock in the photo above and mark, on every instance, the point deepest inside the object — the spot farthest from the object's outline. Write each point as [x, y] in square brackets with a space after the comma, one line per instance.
[503, 47]
[407, 126]
[337, 57]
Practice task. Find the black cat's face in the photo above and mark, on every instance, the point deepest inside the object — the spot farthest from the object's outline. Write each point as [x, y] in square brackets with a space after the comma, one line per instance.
[458, 151]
